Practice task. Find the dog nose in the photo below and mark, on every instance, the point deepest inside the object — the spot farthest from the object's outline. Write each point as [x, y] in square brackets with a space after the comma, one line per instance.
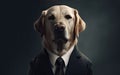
[59, 28]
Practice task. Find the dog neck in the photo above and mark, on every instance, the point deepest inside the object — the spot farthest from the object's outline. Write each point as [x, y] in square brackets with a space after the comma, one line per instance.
[58, 48]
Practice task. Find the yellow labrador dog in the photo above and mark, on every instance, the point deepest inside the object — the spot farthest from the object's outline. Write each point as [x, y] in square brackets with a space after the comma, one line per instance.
[59, 27]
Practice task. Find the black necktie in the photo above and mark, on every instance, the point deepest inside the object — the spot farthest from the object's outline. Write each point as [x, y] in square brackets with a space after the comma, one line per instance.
[59, 66]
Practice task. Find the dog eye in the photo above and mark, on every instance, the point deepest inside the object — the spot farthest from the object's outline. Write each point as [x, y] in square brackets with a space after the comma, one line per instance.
[52, 17]
[68, 17]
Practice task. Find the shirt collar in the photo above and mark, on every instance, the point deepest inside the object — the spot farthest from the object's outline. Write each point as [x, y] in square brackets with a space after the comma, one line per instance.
[53, 57]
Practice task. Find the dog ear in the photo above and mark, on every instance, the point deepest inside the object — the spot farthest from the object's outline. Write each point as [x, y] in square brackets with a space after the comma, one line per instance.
[39, 24]
[80, 25]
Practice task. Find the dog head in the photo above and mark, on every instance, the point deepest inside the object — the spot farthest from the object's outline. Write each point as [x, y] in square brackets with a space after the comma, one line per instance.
[59, 26]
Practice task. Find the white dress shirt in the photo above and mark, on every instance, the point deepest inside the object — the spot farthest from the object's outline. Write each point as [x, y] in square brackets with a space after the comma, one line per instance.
[53, 57]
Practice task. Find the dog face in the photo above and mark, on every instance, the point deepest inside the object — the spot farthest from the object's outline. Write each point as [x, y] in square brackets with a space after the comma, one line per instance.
[59, 26]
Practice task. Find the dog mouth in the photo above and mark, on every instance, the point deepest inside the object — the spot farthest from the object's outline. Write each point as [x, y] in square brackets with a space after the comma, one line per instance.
[60, 42]
[60, 38]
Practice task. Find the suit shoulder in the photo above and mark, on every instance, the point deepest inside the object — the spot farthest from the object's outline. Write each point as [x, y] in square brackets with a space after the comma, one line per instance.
[38, 58]
[84, 58]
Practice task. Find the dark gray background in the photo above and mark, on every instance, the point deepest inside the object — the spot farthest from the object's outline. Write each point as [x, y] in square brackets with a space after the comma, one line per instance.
[20, 43]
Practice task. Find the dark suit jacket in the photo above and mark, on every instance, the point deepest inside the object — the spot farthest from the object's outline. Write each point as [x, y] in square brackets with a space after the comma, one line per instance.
[78, 64]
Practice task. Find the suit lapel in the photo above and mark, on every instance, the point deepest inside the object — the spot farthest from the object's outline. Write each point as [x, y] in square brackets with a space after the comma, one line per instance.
[45, 65]
[73, 67]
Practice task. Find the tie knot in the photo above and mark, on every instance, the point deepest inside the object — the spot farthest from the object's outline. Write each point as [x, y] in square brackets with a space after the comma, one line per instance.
[60, 62]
